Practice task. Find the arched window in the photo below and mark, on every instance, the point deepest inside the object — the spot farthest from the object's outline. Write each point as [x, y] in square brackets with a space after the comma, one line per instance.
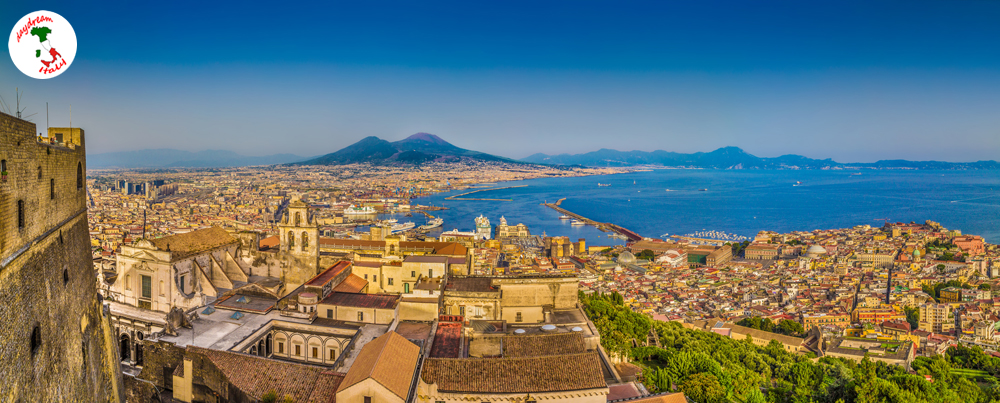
[291, 239]
[20, 214]
[36, 339]
[52, 189]
[305, 240]
[39, 172]
[298, 219]
[79, 175]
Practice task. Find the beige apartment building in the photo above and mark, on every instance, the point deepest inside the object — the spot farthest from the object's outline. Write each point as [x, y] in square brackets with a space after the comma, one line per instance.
[936, 318]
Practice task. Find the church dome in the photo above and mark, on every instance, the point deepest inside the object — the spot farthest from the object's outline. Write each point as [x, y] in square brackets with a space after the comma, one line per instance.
[815, 251]
[626, 258]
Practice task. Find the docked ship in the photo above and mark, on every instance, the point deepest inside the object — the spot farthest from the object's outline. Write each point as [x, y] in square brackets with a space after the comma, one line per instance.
[437, 222]
[403, 226]
[564, 217]
[355, 210]
[577, 223]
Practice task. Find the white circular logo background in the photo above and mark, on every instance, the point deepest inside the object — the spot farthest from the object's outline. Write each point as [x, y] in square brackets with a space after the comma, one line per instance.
[42, 44]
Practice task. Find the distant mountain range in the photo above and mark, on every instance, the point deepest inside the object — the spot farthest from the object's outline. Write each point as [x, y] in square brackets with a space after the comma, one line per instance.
[733, 158]
[170, 158]
[416, 149]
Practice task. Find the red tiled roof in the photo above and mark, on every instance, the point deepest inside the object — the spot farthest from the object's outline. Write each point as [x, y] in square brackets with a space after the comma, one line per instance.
[447, 340]
[543, 344]
[256, 376]
[554, 373]
[269, 242]
[351, 284]
[329, 273]
[390, 360]
[377, 301]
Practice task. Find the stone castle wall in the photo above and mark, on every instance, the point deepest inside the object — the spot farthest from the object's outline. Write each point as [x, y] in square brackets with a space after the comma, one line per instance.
[55, 342]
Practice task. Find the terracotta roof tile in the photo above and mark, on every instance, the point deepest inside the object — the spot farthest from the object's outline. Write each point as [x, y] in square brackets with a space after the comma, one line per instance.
[329, 273]
[256, 376]
[552, 373]
[543, 344]
[194, 242]
[377, 301]
[353, 284]
[390, 360]
[447, 340]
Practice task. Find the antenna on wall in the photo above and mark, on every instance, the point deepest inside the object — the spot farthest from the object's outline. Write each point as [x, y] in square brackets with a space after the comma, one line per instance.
[18, 95]
[3, 106]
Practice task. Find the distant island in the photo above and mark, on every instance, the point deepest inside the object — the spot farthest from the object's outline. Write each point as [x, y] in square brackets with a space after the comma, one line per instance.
[736, 158]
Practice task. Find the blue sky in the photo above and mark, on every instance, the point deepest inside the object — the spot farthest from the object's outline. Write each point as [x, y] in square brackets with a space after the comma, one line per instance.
[853, 81]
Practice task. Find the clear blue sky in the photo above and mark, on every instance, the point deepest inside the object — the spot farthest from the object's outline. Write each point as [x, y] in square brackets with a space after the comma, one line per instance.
[853, 81]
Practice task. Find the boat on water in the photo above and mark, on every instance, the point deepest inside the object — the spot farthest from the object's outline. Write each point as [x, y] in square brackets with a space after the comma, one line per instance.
[702, 190]
[669, 190]
[603, 184]
[437, 222]
[859, 174]
[577, 223]
[403, 226]
[797, 183]
[564, 217]
[355, 210]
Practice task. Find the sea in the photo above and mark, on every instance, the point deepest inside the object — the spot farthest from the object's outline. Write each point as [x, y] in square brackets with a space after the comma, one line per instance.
[740, 203]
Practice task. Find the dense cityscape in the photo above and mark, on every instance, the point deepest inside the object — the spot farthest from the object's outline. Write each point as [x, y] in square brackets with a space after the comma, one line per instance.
[890, 293]
[500, 202]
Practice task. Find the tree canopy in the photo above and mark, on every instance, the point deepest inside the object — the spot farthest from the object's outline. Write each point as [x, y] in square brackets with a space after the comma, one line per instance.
[711, 368]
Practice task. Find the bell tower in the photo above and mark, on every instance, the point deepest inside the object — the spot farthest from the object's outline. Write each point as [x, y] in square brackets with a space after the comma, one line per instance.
[299, 231]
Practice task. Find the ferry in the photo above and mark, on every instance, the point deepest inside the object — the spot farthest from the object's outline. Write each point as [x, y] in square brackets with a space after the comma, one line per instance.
[564, 217]
[355, 210]
[577, 223]
[432, 224]
[403, 227]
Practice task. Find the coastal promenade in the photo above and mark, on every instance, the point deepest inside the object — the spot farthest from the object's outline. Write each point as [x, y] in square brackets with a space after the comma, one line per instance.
[606, 227]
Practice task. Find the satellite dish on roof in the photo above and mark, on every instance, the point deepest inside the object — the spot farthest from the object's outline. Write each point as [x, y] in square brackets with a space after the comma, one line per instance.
[519, 331]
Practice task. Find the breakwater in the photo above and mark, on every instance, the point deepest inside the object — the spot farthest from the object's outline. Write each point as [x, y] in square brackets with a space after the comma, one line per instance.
[461, 196]
[606, 227]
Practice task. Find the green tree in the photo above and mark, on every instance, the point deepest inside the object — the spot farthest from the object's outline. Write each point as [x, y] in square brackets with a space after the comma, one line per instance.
[985, 286]
[912, 316]
[704, 388]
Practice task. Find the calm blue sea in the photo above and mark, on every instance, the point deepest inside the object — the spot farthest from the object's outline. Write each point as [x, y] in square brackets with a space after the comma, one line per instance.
[739, 202]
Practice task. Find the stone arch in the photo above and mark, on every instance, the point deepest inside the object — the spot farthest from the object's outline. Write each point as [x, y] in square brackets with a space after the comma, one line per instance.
[284, 344]
[268, 345]
[291, 239]
[300, 342]
[314, 342]
[305, 240]
[298, 219]
[125, 346]
[334, 345]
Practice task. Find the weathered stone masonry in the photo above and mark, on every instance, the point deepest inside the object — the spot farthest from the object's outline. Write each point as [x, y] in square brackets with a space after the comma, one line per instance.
[55, 342]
